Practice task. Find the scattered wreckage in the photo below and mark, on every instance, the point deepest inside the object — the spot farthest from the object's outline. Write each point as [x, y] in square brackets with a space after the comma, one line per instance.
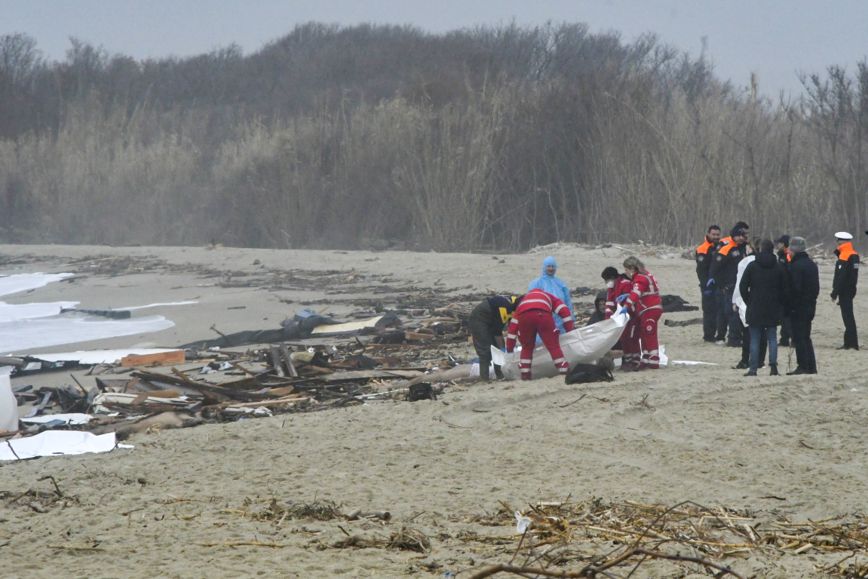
[312, 362]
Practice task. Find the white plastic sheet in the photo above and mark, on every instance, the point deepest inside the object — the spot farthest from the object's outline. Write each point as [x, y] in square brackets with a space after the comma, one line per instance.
[100, 356]
[581, 346]
[72, 418]
[55, 443]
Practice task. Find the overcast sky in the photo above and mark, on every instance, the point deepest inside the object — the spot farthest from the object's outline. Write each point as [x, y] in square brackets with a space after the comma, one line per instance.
[777, 39]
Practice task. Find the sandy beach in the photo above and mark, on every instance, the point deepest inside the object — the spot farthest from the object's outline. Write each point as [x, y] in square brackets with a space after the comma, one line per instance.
[184, 503]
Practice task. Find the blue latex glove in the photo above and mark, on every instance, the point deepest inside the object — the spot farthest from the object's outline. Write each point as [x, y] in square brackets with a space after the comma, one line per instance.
[710, 282]
[622, 309]
[622, 298]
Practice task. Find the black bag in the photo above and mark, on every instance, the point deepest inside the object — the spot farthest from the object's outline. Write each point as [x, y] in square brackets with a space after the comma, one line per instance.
[586, 373]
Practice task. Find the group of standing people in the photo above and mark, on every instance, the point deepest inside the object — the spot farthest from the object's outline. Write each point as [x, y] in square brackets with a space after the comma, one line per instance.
[546, 311]
[751, 289]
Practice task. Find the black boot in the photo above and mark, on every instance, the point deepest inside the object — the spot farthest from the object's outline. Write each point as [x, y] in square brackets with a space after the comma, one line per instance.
[750, 373]
[774, 371]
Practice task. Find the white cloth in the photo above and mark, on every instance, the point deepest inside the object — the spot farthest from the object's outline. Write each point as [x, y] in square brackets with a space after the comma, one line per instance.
[737, 299]
[56, 442]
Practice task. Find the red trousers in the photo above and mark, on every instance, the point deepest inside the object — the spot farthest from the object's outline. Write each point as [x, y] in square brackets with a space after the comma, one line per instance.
[641, 348]
[530, 324]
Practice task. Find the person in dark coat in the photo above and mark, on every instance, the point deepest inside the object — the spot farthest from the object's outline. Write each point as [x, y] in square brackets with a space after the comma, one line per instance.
[844, 286]
[804, 286]
[486, 323]
[599, 309]
[782, 247]
[763, 288]
[721, 277]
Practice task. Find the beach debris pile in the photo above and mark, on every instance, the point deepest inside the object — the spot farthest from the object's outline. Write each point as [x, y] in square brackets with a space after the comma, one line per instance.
[600, 538]
[331, 364]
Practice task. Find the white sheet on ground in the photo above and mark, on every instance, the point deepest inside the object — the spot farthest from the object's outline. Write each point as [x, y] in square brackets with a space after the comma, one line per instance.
[581, 346]
[692, 363]
[56, 442]
[73, 418]
[27, 334]
[12, 284]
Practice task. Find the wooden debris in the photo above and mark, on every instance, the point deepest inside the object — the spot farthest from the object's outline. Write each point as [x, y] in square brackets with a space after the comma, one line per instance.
[649, 532]
[163, 358]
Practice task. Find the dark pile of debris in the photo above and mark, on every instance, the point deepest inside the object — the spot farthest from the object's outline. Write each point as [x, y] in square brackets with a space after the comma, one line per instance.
[311, 363]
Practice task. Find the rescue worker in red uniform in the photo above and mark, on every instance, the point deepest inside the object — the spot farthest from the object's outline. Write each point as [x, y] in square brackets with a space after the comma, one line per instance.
[641, 348]
[704, 255]
[844, 287]
[616, 284]
[532, 317]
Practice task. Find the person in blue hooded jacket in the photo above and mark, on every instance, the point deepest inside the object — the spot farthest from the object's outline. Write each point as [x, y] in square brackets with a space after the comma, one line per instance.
[550, 283]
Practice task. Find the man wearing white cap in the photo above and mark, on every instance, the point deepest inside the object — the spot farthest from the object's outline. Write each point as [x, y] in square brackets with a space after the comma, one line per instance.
[844, 286]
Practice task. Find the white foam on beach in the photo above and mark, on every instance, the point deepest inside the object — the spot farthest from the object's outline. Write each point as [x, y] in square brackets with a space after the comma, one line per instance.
[26, 334]
[134, 308]
[13, 284]
[37, 325]
[15, 312]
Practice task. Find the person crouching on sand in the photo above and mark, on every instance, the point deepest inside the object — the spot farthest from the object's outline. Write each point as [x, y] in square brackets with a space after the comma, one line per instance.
[533, 316]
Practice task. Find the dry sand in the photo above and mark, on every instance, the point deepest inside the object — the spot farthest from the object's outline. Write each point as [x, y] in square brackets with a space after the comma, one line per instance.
[170, 507]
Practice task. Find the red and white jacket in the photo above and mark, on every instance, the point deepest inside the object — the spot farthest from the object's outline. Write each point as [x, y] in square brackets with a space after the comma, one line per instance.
[645, 294]
[623, 285]
[539, 301]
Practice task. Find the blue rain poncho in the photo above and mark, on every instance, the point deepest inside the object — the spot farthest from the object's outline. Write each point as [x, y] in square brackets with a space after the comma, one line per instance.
[553, 285]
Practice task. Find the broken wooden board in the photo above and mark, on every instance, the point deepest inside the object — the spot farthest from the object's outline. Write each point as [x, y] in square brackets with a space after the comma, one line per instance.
[346, 328]
[153, 359]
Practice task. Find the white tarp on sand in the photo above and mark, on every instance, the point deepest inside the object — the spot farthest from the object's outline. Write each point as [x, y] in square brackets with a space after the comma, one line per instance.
[56, 442]
[581, 346]
[100, 356]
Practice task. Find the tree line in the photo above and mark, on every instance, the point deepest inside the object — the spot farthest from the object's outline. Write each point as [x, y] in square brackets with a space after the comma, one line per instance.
[369, 136]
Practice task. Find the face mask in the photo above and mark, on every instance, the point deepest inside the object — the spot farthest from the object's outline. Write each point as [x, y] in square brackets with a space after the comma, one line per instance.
[610, 284]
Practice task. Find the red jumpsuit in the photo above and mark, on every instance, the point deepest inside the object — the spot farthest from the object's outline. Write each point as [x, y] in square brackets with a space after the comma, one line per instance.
[622, 286]
[641, 349]
[534, 316]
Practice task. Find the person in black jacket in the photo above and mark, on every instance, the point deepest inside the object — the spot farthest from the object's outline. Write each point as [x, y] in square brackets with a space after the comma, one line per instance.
[763, 287]
[782, 245]
[844, 286]
[804, 278]
[722, 275]
[486, 323]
